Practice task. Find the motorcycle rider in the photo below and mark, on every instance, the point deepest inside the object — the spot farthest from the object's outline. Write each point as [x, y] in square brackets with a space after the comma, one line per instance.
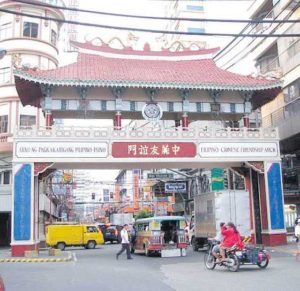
[231, 237]
[219, 237]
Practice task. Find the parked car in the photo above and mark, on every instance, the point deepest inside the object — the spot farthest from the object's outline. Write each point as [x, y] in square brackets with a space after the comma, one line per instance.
[62, 235]
[2, 287]
[112, 234]
[102, 227]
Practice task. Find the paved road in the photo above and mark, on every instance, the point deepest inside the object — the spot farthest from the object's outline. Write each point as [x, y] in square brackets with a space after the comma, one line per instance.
[99, 270]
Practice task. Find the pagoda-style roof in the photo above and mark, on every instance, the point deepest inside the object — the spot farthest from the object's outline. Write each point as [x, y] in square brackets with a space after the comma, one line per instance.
[103, 66]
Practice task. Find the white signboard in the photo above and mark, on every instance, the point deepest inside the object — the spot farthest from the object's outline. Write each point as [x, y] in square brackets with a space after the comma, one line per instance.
[230, 149]
[61, 150]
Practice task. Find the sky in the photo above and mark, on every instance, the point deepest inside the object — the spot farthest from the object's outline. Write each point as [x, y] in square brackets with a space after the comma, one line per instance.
[214, 9]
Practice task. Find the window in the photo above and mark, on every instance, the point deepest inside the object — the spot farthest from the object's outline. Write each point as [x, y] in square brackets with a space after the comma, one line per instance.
[196, 29]
[3, 123]
[53, 37]
[63, 104]
[293, 48]
[194, 8]
[27, 120]
[92, 229]
[170, 106]
[292, 92]
[4, 75]
[199, 106]
[5, 30]
[6, 177]
[132, 106]
[30, 29]
[232, 107]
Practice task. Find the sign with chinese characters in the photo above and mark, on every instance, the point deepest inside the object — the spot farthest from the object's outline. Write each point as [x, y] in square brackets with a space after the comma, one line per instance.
[154, 150]
[233, 149]
[175, 187]
[160, 176]
[61, 149]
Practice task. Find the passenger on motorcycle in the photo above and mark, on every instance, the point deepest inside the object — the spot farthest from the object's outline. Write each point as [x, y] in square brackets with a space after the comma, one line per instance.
[219, 238]
[231, 237]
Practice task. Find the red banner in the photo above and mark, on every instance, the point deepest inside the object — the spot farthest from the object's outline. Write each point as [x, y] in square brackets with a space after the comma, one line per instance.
[154, 150]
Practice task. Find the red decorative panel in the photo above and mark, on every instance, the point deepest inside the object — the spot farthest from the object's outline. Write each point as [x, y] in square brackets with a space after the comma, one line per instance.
[276, 239]
[154, 150]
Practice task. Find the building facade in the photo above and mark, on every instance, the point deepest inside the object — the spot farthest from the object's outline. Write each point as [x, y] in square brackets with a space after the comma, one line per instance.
[275, 57]
[29, 43]
[184, 9]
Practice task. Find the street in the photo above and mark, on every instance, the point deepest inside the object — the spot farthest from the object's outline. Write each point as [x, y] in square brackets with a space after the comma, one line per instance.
[98, 269]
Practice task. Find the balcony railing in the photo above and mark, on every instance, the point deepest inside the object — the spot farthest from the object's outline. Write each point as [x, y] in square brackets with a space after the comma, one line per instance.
[268, 64]
[285, 113]
[63, 133]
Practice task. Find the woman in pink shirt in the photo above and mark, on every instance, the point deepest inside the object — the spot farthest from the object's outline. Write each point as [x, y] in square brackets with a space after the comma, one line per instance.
[231, 237]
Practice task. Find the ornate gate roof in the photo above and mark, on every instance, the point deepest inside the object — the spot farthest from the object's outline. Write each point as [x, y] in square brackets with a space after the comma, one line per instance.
[103, 66]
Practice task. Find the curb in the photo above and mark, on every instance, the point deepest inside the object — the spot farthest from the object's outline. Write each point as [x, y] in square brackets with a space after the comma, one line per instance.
[37, 260]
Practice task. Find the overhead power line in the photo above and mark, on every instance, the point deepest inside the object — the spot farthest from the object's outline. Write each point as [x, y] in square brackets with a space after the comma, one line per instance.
[249, 49]
[144, 29]
[222, 53]
[157, 17]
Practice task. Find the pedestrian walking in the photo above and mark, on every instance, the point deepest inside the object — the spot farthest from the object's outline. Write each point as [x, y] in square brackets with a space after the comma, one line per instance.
[125, 243]
[297, 235]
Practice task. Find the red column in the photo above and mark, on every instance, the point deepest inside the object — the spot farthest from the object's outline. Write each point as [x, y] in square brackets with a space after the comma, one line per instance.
[49, 119]
[118, 121]
[249, 189]
[246, 121]
[185, 121]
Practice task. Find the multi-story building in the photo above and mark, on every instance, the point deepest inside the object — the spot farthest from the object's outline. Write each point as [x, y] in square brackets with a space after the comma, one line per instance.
[277, 57]
[29, 43]
[184, 9]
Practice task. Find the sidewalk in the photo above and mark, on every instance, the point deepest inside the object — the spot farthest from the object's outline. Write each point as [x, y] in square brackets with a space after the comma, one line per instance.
[43, 257]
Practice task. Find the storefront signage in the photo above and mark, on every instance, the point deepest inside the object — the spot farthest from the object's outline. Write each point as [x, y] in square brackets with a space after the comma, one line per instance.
[160, 176]
[230, 149]
[153, 150]
[61, 150]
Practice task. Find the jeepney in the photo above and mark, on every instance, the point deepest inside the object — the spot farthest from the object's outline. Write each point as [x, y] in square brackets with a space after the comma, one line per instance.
[160, 234]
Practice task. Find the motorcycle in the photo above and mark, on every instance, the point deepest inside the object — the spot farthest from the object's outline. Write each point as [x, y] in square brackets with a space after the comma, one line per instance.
[231, 262]
[250, 255]
[254, 255]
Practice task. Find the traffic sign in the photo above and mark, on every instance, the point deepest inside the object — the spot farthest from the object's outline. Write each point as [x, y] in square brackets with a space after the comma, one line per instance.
[175, 187]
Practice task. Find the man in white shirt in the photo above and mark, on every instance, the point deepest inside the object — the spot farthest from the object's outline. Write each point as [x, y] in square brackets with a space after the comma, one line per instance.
[297, 235]
[125, 243]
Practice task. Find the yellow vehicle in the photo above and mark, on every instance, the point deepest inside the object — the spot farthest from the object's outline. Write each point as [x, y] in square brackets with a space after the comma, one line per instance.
[62, 235]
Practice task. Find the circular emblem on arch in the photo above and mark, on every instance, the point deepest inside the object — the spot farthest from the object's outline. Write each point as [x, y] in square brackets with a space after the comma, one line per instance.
[152, 112]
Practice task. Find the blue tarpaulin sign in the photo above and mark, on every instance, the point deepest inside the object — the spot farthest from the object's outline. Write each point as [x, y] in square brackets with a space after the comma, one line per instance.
[22, 203]
[275, 196]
